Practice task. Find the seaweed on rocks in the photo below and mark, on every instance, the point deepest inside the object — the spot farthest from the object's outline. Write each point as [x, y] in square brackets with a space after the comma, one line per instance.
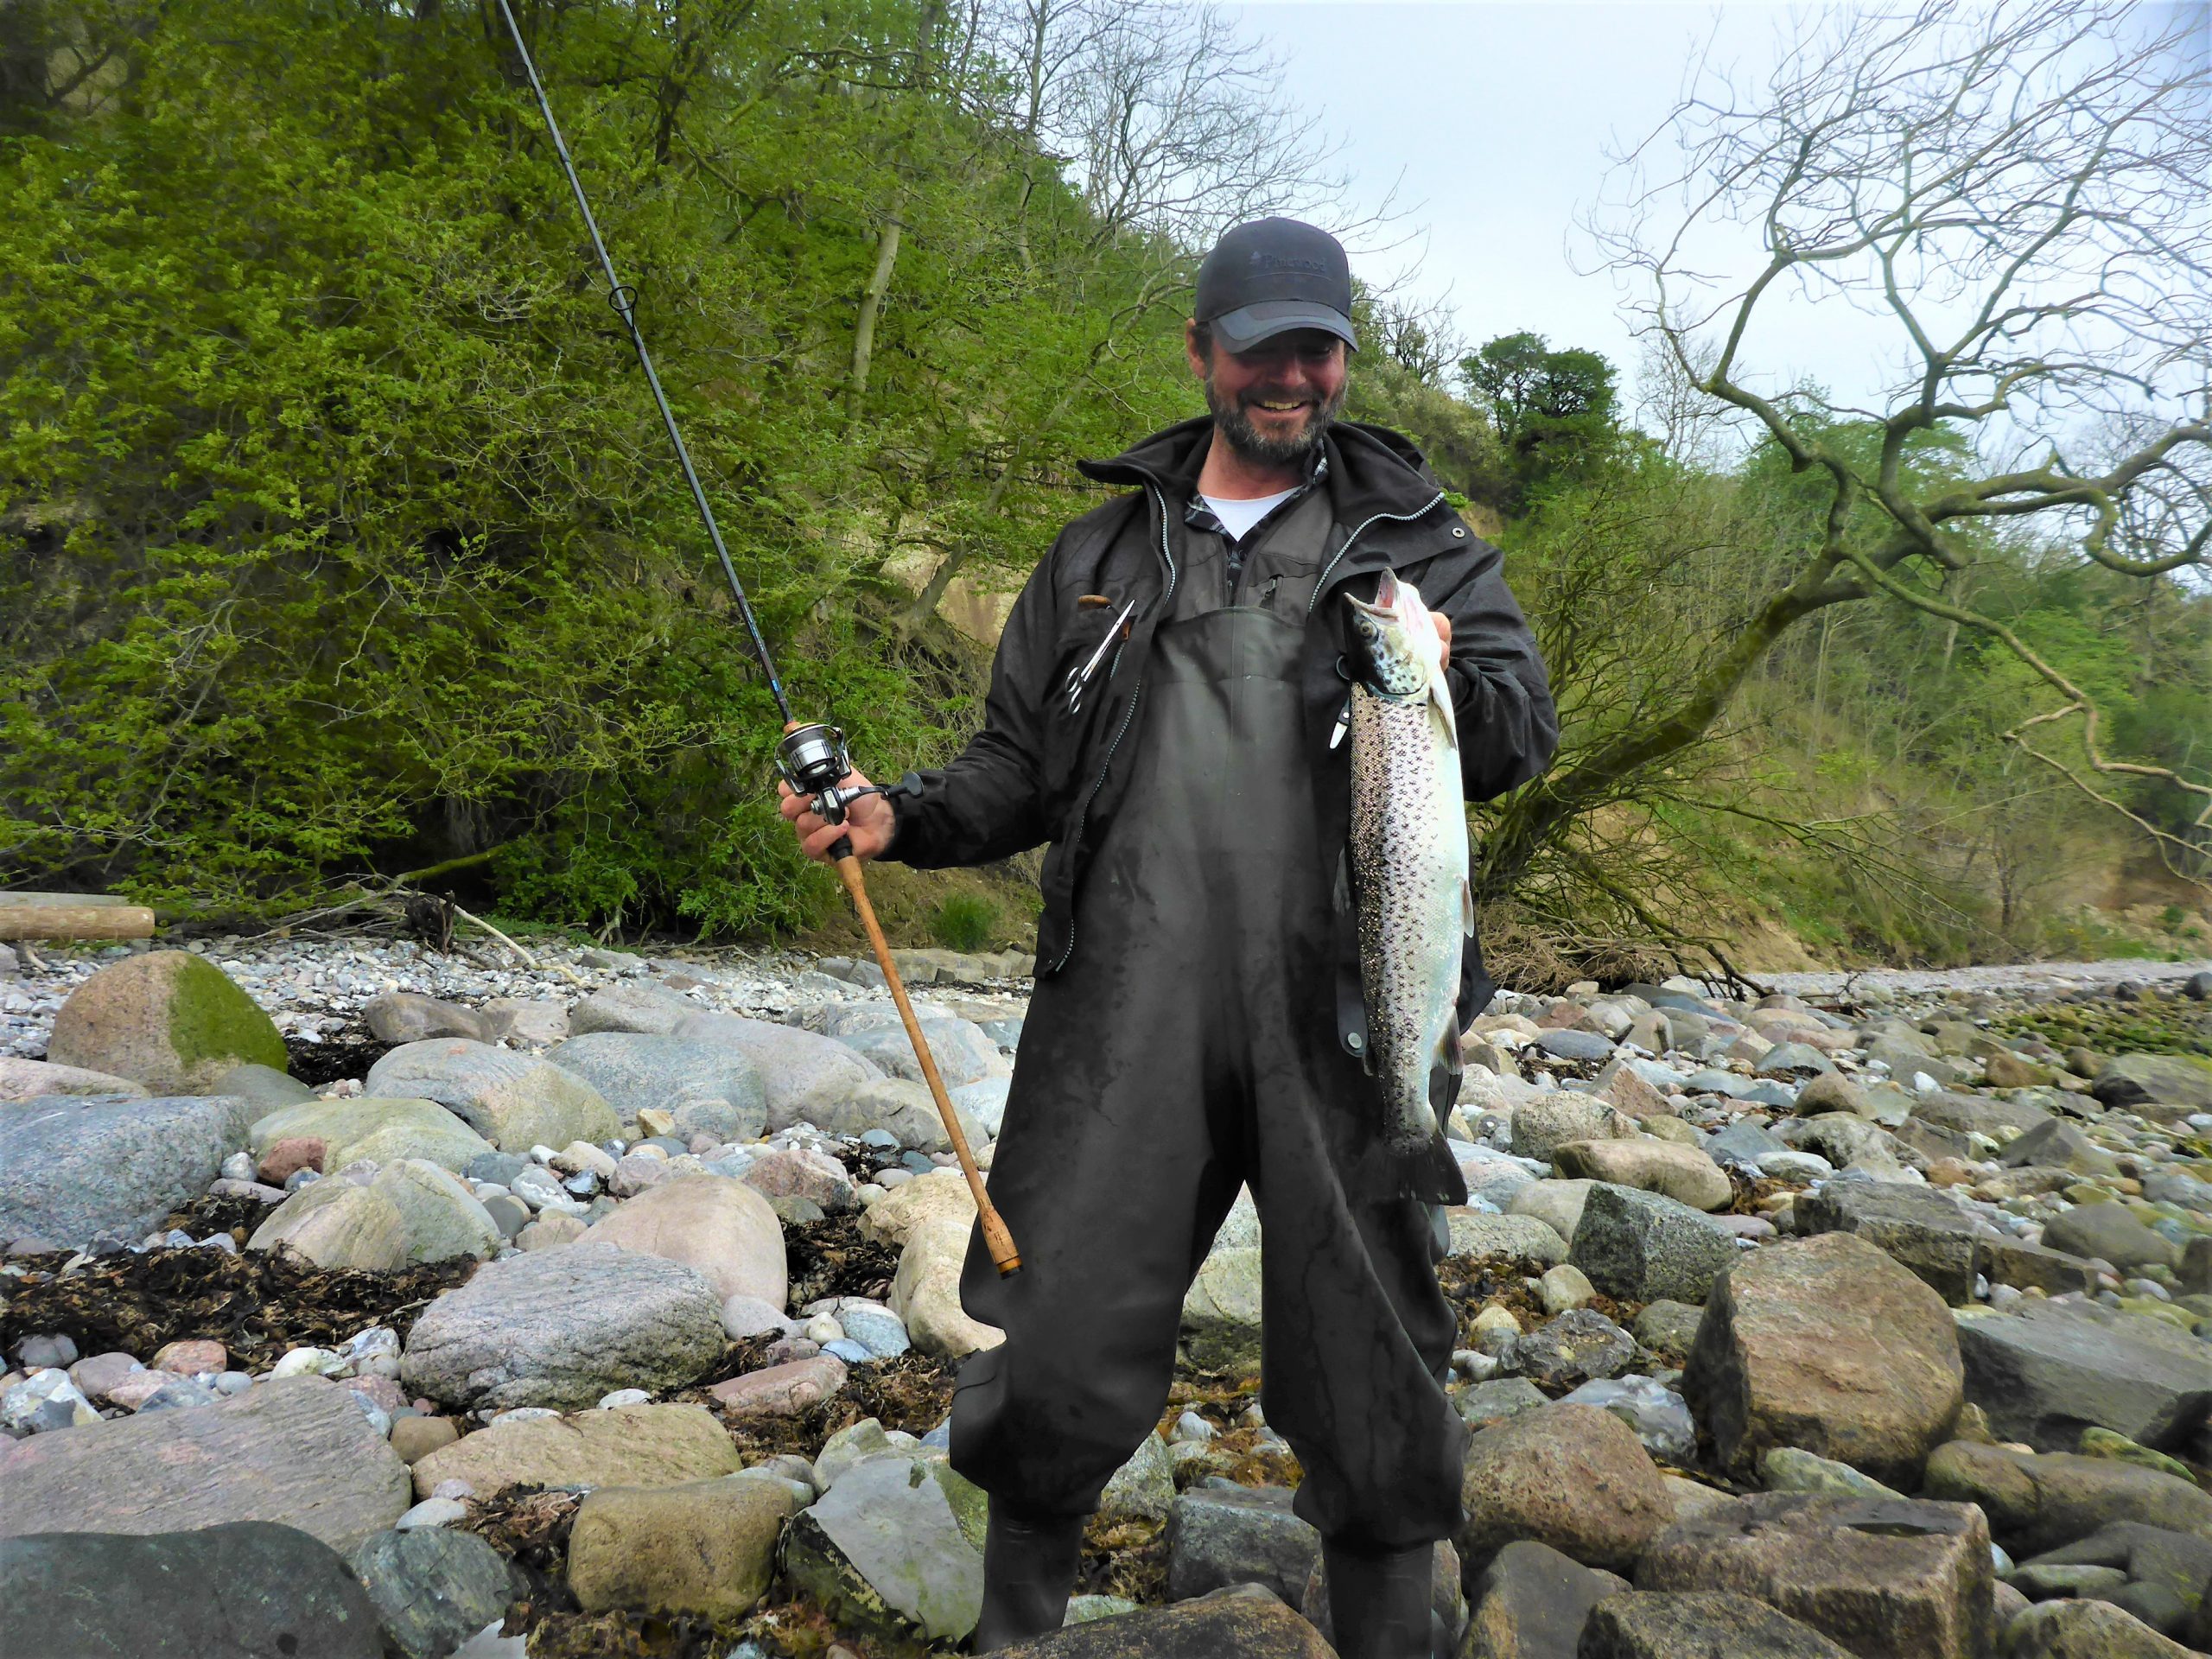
[256, 1304]
[830, 1257]
[335, 1059]
[209, 1214]
[911, 1391]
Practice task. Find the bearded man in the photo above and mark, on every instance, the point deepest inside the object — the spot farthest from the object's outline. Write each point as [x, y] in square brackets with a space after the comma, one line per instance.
[1164, 709]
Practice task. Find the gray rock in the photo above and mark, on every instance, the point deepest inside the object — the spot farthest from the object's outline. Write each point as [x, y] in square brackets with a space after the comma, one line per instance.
[297, 1451]
[337, 1225]
[1918, 1227]
[801, 1071]
[404, 1017]
[1658, 1414]
[1579, 1345]
[1904, 1580]
[1668, 1328]
[1143, 1488]
[1698, 1625]
[1792, 1060]
[515, 1101]
[898, 1541]
[2047, 1372]
[563, 1327]
[708, 1088]
[2085, 1630]
[1476, 1234]
[239, 1590]
[1574, 1044]
[1543, 1125]
[434, 1588]
[649, 1010]
[2174, 1080]
[1531, 1602]
[984, 1102]
[2040, 1501]
[1220, 1322]
[74, 1166]
[1481, 1404]
[1742, 1143]
[2109, 1232]
[265, 1088]
[443, 1217]
[1217, 1537]
[1789, 1469]
[963, 1052]
[1642, 1247]
[1848, 1141]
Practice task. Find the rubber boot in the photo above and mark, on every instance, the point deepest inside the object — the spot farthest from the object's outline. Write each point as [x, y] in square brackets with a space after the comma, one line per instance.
[1378, 1604]
[1029, 1567]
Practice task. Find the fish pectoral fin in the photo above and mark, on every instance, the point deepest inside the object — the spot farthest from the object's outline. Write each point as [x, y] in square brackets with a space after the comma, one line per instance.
[1440, 699]
[1467, 908]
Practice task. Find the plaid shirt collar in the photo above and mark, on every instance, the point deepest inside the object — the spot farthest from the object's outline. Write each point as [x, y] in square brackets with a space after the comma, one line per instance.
[1198, 516]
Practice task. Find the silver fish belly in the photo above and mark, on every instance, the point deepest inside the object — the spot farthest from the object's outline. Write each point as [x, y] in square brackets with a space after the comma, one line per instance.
[1409, 873]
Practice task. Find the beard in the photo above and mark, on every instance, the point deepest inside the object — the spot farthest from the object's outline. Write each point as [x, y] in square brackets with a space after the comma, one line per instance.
[1232, 421]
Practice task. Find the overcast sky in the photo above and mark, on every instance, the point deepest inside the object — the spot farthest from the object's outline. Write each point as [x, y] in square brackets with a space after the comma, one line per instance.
[1493, 118]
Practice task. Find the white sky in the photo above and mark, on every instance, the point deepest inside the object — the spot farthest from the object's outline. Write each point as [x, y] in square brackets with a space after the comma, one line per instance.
[1493, 118]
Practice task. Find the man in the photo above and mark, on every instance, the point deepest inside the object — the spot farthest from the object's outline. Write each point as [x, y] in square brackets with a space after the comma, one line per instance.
[1162, 710]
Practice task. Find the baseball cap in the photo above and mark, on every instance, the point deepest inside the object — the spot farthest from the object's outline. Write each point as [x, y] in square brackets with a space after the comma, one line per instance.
[1271, 275]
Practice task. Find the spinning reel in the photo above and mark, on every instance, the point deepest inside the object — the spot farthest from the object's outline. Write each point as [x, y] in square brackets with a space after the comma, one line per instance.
[814, 762]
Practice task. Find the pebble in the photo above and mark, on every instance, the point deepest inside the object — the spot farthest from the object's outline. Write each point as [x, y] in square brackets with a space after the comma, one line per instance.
[434, 1512]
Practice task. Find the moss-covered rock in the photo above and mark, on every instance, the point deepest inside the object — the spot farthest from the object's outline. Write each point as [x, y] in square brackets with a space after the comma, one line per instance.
[168, 1020]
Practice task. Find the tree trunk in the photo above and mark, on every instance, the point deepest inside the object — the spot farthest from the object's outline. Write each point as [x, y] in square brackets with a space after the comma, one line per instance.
[879, 284]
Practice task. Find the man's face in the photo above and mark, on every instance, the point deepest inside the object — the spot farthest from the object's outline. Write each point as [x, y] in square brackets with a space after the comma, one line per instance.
[1273, 403]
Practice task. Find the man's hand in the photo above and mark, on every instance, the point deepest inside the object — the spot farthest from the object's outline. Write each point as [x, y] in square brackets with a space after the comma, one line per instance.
[869, 821]
[1443, 629]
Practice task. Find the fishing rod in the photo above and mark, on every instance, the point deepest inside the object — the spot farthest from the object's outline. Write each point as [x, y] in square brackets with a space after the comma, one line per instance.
[810, 755]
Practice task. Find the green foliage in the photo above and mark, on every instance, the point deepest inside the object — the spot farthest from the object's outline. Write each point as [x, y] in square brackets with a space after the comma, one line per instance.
[342, 532]
[1552, 409]
[965, 921]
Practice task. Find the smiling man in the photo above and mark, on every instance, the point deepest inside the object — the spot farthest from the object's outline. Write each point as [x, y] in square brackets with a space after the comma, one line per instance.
[1162, 710]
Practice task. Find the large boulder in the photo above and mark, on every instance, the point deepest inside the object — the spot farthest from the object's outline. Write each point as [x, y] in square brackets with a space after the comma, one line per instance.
[239, 1590]
[722, 1228]
[925, 1290]
[1698, 1624]
[707, 1087]
[2108, 1232]
[296, 1450]
[369, 1128]
[907, 1111]
[1482, 1236]
[940, 1195]
[72, 1166]
[1217, 1537]
[704, 1547]
[2039, 1501]
[2179, 1081]
[629, 1445]
[1884, 1579]
[637, 1006]
[964, 1053]
[1919, 1227]
[443, 1218]
[336, 1225]
[801, 1071]
[2048, 1371]
[563, 1327]
[514, 1101]
[1642, 1247]
[2087, 1629]
[1574, 1477]
[1558, 1205]
[407, 1017]
[1220, 1328]
[1686, 1175]
[896, 1544]
[1531, 1603]
[433, 1587]
[168, 1019]
[1828, 1344]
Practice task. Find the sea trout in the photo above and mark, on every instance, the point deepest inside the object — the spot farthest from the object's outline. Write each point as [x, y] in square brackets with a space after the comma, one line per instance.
[1409, 873]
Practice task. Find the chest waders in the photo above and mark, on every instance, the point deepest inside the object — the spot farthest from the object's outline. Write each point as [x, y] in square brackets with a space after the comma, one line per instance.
[1188, 1046]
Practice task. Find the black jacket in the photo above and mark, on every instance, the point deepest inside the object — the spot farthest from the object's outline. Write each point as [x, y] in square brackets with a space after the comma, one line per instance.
[1035, 772]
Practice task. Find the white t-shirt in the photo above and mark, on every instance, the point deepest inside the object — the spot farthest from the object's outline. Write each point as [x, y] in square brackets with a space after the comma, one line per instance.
[1237, 518]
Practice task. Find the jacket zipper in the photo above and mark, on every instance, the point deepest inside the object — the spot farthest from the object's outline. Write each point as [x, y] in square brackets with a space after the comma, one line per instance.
[1136, 691]
[1320, 587]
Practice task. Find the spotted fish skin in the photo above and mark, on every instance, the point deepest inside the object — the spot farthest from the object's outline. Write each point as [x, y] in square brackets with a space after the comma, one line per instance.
[1408, 849]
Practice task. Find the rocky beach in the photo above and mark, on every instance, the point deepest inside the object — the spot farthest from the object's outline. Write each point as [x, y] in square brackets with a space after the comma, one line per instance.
[361, 1300]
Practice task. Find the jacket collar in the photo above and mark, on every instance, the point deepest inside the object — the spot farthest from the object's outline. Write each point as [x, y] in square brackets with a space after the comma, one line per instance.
[1371, 469]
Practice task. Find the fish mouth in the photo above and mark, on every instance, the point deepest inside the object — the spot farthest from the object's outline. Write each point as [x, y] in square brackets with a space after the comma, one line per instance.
[1386, 597]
